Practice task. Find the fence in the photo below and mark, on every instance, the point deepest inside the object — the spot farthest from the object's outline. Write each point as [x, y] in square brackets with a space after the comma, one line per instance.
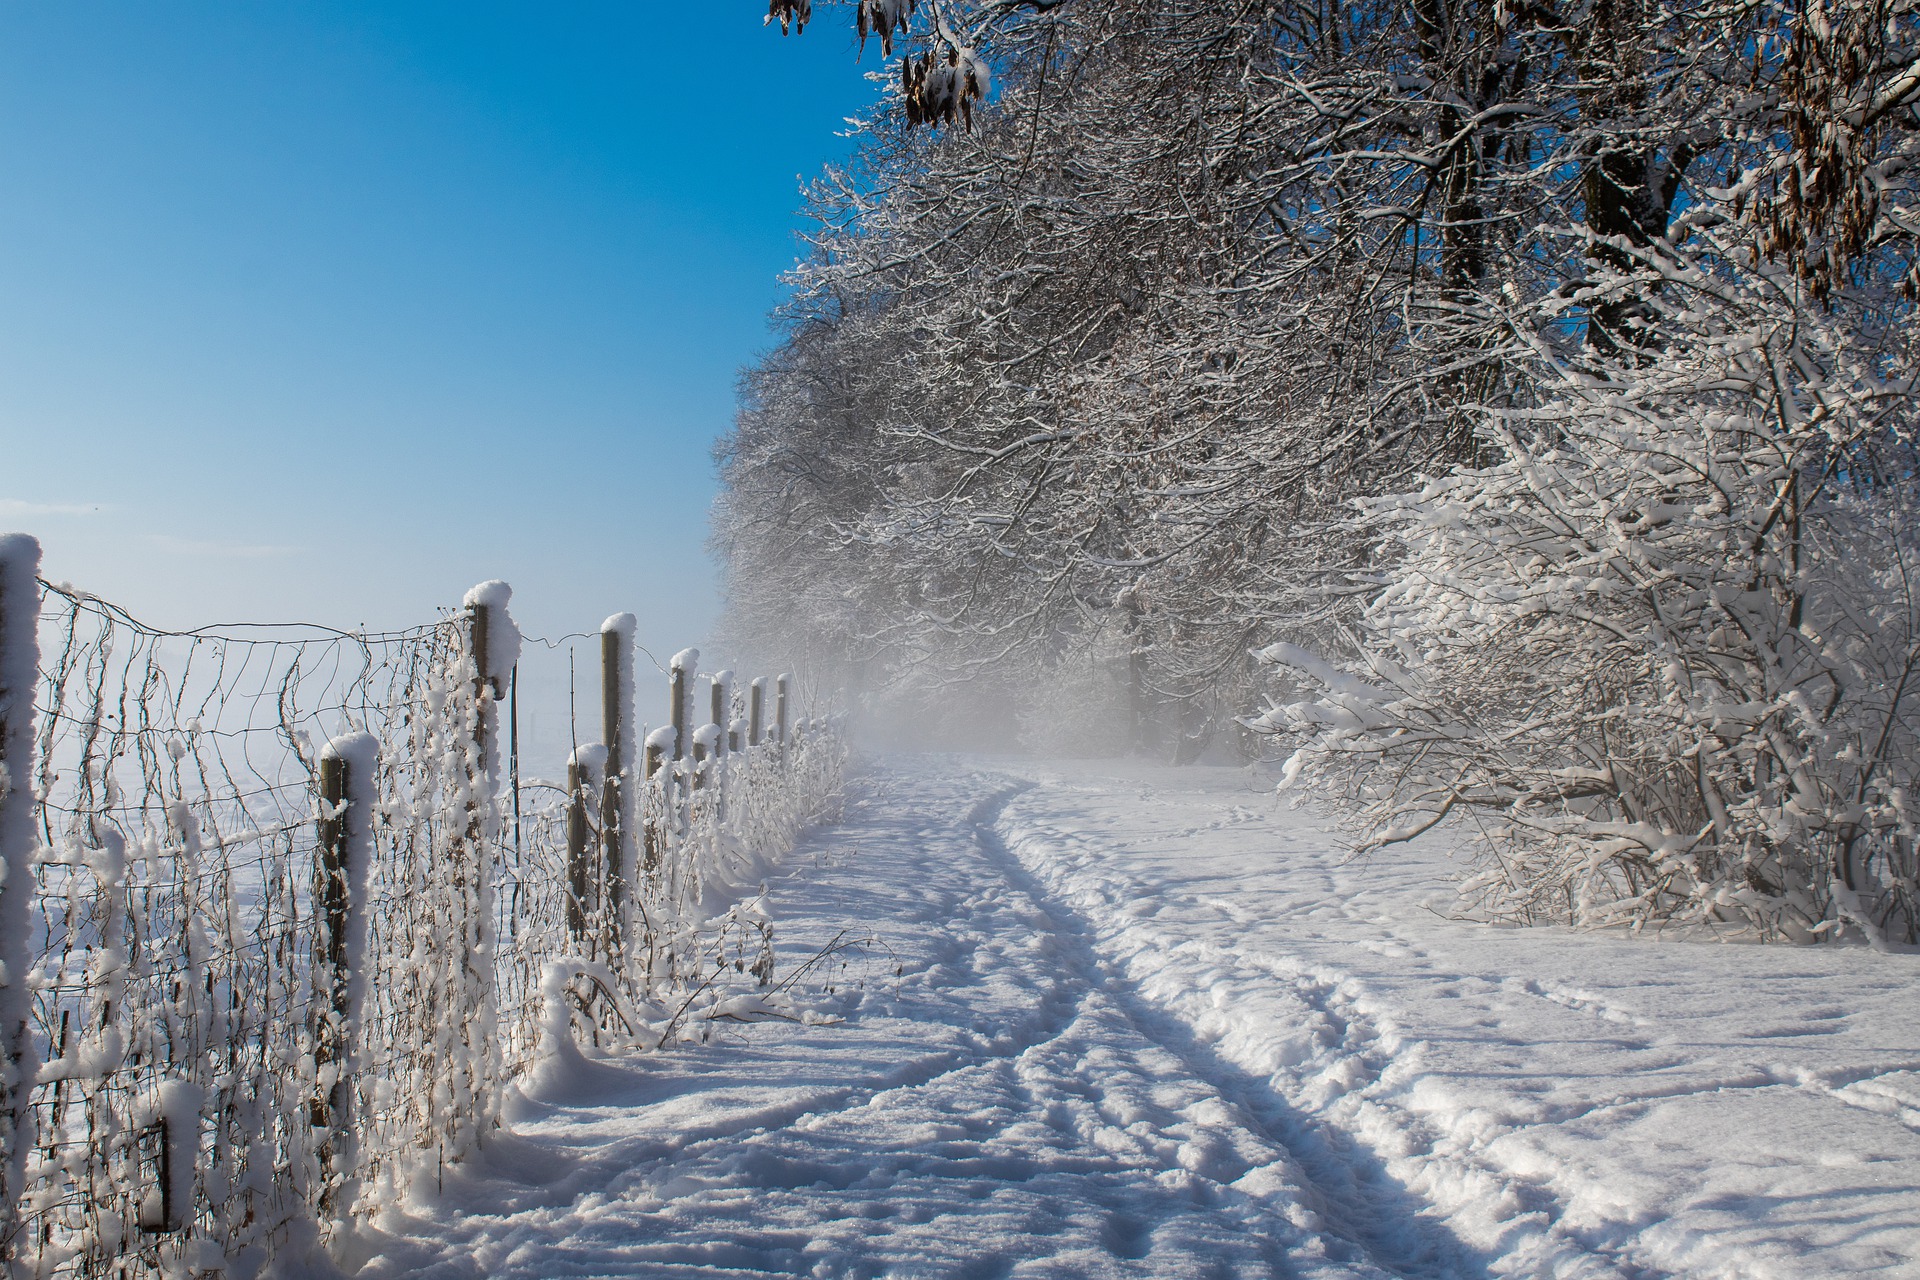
[278, 922]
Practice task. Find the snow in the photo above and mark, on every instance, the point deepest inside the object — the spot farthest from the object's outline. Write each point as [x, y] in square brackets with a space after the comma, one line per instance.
[174, 1106]
[503, 636]
[361, 752]
[560, 1059]
[590, 758]
[1097, 1021]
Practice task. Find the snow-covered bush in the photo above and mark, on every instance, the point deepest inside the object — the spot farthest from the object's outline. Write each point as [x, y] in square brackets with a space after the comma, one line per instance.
[1663, 653]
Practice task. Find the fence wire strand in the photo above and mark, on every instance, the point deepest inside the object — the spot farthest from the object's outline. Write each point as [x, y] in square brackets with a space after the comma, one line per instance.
[182, 1117]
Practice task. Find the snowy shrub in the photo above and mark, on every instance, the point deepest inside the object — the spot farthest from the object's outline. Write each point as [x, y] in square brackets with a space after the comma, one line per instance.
[1663, 653]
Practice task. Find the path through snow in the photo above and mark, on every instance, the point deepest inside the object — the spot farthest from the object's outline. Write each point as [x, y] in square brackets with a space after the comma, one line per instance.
[1147, 1023]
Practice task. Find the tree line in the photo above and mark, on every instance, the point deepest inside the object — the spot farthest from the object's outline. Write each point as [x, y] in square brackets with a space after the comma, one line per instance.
[1501, 410]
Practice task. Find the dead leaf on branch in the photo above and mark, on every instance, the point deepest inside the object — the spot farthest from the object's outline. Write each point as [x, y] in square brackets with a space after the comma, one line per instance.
[793, 14]
[1836, 89]
[937, 90]
[882, 18]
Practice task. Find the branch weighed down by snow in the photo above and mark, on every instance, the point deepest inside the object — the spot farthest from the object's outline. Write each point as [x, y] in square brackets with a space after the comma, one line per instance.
[1665, 649]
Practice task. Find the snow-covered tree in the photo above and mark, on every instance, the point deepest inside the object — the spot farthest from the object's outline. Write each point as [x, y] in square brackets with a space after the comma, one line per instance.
[1203, 275]
[1665, 652]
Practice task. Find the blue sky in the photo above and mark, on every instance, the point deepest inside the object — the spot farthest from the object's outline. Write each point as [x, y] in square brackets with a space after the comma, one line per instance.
[327, 311]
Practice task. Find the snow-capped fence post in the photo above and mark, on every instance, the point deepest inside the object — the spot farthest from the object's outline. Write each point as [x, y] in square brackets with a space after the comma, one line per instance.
[682, 668]
[782, 707]
[167, 1146]
[19, 674]
[657, 748]
[495, 648]
[348, 766]
[681, 674]
[757, 711]
[585, 889]
[469, 1022]
[702, 752]
[722, 707]
[722, 719]
[617, 792]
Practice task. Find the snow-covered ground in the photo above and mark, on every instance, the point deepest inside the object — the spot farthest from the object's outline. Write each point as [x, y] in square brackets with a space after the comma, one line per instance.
[1106, 1020]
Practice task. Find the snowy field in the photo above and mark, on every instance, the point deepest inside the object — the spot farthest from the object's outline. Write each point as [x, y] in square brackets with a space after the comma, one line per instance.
[1146, 1022]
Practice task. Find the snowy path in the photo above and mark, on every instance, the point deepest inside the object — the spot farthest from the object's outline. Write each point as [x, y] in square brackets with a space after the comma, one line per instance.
[1151, 1025]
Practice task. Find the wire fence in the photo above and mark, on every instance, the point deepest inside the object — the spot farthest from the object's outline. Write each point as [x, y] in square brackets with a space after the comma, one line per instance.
[290, 924]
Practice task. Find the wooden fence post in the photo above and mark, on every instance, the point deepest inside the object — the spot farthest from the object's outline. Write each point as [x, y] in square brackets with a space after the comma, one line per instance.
[495, 644]
[19, 676]
[757, 711]
[682, 669]
[586, 890]
[576, 849]
[782, 708]
[167, 1144]
[617, 792]
[495, 651]
[348, 778]
[723, 709]
[679, 788]
[656, 757]
[722, 739]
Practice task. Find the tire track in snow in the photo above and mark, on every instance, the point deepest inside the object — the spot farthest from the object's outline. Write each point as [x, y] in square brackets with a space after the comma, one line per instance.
[1388, 1178]
[1382, 1222]
[1069, 1079]
[997, 1115]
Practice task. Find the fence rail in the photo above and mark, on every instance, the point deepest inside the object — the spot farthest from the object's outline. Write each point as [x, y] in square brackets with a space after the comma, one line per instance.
[277, 927]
